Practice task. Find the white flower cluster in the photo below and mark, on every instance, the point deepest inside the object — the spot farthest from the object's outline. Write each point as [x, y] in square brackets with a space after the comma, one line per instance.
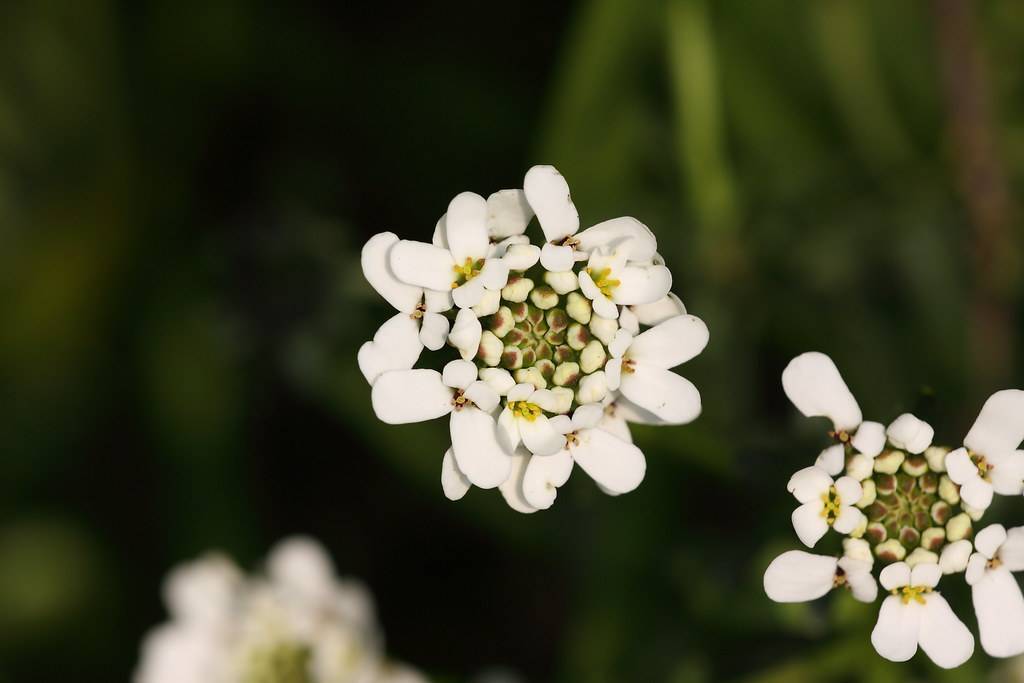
[911, 506]
[297, 624]
[552, 360]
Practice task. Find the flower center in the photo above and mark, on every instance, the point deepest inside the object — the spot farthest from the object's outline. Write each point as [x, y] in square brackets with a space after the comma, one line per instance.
[278, 663]
[842, 436]
[418, 312]
[467, 271]
[915, 593]
[914, 507]
[831, 503]
[984, 467]
[526, 410]
[839, 579]
[603, 280]
[459, 400]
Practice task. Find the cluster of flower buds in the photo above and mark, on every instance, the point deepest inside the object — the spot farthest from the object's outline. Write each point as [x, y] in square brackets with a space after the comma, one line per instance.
[911, 508]
[555, 347]
[297, 624]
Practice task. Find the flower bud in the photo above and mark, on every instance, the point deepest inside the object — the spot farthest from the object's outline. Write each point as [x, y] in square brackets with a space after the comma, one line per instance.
[557, 320]
[889, 462]
[566, 374]
[885, 484]
[546, 367]
[512, 358]
[489, 303]
[577, 336]
[544, 298]
[909, 537]
[941, 512]
[858, 549]
[959, 527]
[519, 311]
[491, 348]
[869, 494]
[502, 322]
[592, 357]
[860, 467]
[929, 483]
[890, 551]
[517, 289]
[915, 465]
[563, 354]
[921, 556]
[933, 538]
[578, 307]
[531, 376]
[563, 400]
[603, 328]
[972, 512]
[563, 282]
[948, 491]
[592, 388]
[936, 457]
[876, 533]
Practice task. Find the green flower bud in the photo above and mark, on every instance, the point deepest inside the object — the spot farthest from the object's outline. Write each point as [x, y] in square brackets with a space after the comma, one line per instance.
[579, 308]
[885, 484]
[544, 298]
[512, 358]
[959, 528]
[869, 495]
[563, 282]
[915, 465]
[566, 374]
[921, 556]
[592, 357]
[909, 537]
[603, 328]
[557, 319]
[890, 551]
[876, 533]
[948, 491]
[502, 322]
[519, 311]
[889, 462]
[563, 354]
[933, 538]
[941, 512]
[936, 458]
[546, 367]
[530, 376]
[491, 349]
[577, 337]
[517, 289]
[592, 388]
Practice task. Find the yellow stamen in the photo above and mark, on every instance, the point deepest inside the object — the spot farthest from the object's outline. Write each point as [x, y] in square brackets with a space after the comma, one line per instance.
[524, 409]
[915, 593]
[830, 505]
[467, 271]
[603, 281]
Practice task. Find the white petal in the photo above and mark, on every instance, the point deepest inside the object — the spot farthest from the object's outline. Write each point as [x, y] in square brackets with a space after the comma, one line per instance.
[813, 383]
[798, 576]
[588, 416]
[927, 574]
[860, 467]
[614, 464]
[628, 232]
[988, 540]
[477, 451]
[859, 579]
[521, 392]
[977, 568]
[490, 302]
[498, 379]
[910, 434]
[556, 259]
[539, 436]
[433, 330]
[1007, 473]
[631, 412]
[616, 426]
[960, 467]
[512, 488]
[438, 301]
[544, 474]
[548, 400]
[1000, 610]
[520, 257]
[466, 333]
[652, 314]
[595, 387]
[1012, 551]
[670, 397]
[404, 396]
[809, 484]
[671, 343]
[425, 265]
[508, 213]
[1000, 426]
[377, 270]
[395, 346]
[896, 633]
[548, 195]
[832, 459]
[849, 519]
[561, 424]
[469, 294]
[603, 306]
[641, 284]
[439, 238]
[869, 439]
[466, 227]
[458, 374]
[977, 493]
[620, 343]
[508, 431]
[203, 591]
[895, 576]
[809, 523]
[944, 638]
[849, 490]
[494, 274]
[954, 557]
[453, 482]
[483, 396]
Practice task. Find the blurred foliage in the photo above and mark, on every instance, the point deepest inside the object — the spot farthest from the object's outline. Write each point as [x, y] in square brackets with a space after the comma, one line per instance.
[184, 189]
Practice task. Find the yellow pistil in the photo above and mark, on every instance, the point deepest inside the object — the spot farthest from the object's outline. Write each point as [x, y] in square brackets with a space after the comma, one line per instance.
[983, 466]
[603, 281]
[526, 410]
[628, 366]
[418, 312]
[915, 593]
[842, 436]
[459, 400]
[830, 505]
[467, 271]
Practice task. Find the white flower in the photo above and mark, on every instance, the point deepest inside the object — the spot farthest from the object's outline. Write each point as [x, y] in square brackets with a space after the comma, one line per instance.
[463, 265]
[989, 463]
[658, 312]
[639, 368]
[813, 384]
[917, 615]
[616, 465]
[299, 622]
[996, 594]
[610, 281]
[824, 503]
[798, 576]
[399, 341]
[404, 396]
[523, 421]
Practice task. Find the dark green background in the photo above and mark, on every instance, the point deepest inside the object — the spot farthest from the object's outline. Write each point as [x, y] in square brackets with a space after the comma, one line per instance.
[184, 190]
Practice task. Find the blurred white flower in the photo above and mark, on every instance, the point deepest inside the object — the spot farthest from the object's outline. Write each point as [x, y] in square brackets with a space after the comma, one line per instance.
[297, 623]
[996, 594]
[990, 462]
[551, 327]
